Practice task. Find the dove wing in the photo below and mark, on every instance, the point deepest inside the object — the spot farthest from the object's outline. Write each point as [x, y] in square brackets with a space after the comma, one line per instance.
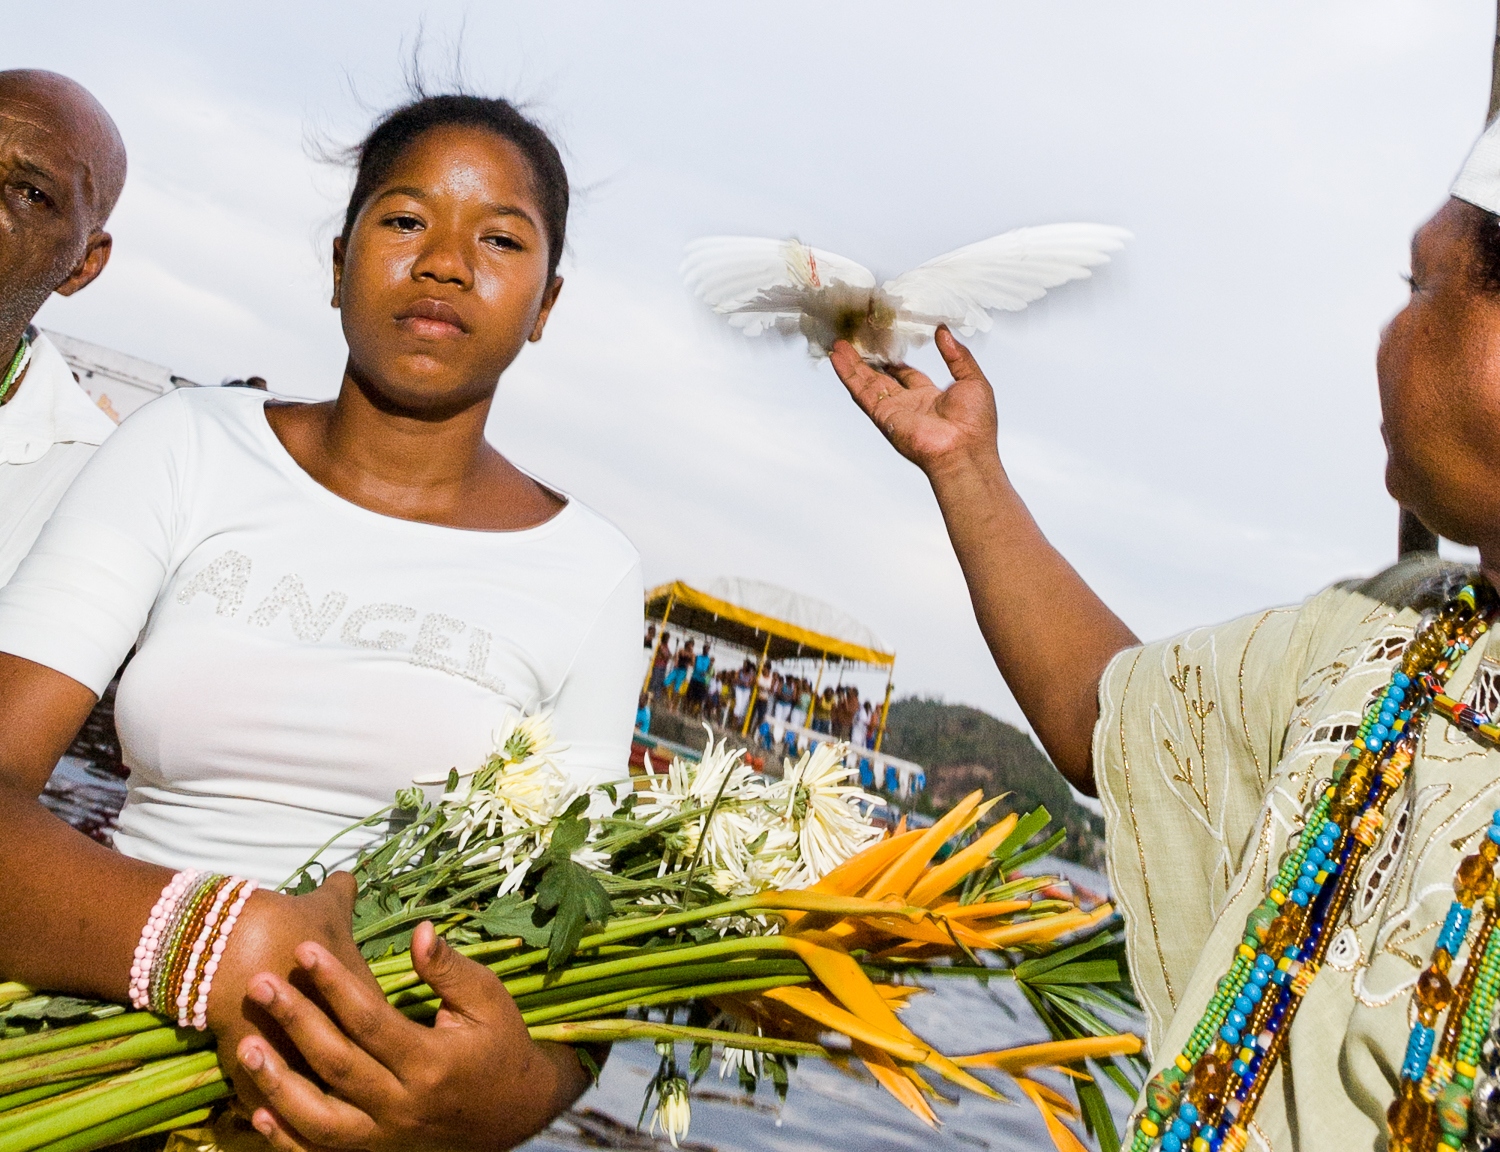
[758, 283]
[1006, 272]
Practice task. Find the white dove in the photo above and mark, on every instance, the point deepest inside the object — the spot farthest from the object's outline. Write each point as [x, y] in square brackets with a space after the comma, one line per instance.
[762, 285]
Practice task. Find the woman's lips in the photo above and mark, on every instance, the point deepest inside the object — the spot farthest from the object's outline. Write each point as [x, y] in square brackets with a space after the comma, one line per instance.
[432, 319]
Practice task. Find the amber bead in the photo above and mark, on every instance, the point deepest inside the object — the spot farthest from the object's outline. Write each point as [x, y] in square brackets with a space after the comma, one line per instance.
[1489, 849]
[1408, 1120]
[1433, 990]
[1212, 1078]
[1442, 960]
[1474, 879]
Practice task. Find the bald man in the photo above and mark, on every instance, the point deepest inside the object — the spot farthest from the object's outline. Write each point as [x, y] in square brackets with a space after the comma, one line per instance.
[62, 165]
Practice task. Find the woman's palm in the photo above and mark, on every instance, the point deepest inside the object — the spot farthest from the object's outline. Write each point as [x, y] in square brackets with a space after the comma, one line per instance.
[926, 424]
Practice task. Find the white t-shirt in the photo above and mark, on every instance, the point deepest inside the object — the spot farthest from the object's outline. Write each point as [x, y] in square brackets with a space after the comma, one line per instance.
[300, 657]
[48, 431]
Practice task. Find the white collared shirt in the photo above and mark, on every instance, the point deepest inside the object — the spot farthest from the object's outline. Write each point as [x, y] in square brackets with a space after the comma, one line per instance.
[47, 432]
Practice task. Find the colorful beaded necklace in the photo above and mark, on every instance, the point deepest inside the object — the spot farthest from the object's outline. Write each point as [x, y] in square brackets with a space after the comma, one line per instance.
[18, 364]
[1434, 1099]
[1204, 1101]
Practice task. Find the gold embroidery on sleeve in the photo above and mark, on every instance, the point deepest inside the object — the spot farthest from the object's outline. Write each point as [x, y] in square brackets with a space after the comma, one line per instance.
[1197, 710]
[1244, 719]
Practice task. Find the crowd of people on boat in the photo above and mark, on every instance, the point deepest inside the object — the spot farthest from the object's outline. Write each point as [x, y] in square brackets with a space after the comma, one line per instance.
[686, 679]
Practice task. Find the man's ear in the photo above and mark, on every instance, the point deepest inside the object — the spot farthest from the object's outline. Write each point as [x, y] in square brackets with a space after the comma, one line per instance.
[548, 299]
[338, 268]
[86, 271]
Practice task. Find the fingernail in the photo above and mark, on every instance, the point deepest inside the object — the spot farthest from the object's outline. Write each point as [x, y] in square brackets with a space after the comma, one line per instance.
[253, 1058]
[263, 992]
[262, 1122]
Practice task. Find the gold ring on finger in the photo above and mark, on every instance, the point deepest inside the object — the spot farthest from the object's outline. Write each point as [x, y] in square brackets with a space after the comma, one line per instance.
[882, 396]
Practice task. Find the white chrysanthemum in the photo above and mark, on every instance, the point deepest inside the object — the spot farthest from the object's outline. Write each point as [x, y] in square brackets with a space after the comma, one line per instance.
[784, 835]
[673, 1110]
[516, 793]
[823, 811]
[722, 842]
[736, 1059]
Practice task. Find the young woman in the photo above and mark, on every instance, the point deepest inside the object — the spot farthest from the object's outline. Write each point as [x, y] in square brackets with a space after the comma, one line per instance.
[326, 600]
[1294, 961]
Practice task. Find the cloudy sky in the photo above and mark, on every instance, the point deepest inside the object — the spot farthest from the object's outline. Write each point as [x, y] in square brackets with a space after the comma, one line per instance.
[1196, 427]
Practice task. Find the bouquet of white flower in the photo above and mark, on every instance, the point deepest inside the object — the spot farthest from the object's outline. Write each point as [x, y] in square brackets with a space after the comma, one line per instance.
[713, 907]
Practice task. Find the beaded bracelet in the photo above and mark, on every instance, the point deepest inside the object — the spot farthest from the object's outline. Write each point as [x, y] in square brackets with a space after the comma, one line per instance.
[156, 923]
[192, 1000]
[182, 943]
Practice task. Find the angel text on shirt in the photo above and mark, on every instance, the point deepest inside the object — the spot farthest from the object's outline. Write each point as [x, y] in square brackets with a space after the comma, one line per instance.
[430, 646]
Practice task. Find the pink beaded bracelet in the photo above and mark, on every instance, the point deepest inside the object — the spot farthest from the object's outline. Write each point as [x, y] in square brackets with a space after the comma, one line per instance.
[145, 950]
[211, 960]
[200, 944]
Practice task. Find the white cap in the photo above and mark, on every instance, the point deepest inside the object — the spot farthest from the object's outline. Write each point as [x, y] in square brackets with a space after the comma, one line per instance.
[1478, 181]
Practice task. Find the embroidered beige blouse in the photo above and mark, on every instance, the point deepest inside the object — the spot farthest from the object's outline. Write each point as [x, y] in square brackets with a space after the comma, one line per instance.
[1207, 748]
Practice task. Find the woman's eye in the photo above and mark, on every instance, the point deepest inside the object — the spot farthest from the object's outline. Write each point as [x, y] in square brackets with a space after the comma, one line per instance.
[508, 243]
[404, 223]
[1410, 281]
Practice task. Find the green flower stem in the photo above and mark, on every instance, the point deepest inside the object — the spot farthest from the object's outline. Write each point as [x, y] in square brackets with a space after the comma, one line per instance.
[646, 960]
[74, 1035]
[401, 962]
[584, 1007]
[185, 1120]
[43, 1091]
[612, 1031]
[651, 961]
[164, 1080]
[159, 1042]
[139, 1122]
[681, 975]
[47, 1079]
[650, 998]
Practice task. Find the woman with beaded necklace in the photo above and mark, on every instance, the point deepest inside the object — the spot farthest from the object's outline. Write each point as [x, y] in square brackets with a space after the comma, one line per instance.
[325, 601]
[1302, 804]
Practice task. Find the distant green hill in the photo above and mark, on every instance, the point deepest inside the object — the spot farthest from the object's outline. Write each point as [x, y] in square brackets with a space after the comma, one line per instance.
[963, 749]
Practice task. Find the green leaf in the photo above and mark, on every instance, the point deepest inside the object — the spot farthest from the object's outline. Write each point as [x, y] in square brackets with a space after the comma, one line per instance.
[1026, 857]
[373, 907]
[1031, 969]
[567, 838]
[397, 940]
[777, 1067]
[698, 1064]
[577, 898]
[513, 915]
[1027, 827]
[1096, 1115]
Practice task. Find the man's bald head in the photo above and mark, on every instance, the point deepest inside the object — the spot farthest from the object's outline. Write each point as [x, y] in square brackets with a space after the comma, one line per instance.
[67, 115]
[62, 165]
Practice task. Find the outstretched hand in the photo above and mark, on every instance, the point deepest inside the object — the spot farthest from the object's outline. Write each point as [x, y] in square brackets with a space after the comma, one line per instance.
[932, 427]
[473, 1080]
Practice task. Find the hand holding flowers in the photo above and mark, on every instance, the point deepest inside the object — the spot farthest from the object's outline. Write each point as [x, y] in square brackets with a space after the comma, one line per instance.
[714, 906]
